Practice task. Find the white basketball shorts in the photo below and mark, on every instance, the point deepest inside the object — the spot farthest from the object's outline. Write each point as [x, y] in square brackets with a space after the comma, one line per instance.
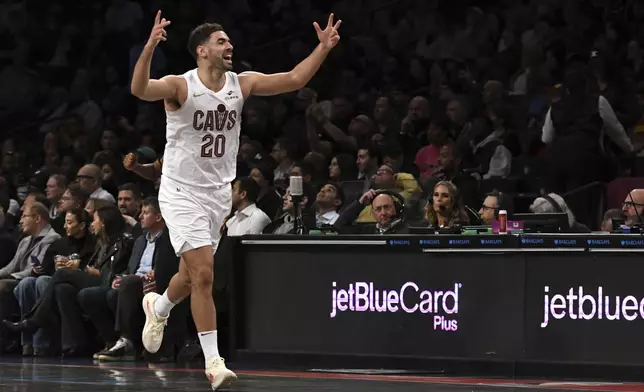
[194, 216]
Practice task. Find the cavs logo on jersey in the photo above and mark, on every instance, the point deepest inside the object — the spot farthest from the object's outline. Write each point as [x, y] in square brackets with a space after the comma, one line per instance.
[210, 121]
[214, 120]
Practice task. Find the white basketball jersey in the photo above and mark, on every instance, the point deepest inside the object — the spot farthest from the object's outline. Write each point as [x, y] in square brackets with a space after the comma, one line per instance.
[203, 135]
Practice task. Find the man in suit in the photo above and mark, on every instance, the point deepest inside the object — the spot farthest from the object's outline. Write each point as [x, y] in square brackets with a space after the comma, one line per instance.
[387, 211]
[117, 312]
[39, 236]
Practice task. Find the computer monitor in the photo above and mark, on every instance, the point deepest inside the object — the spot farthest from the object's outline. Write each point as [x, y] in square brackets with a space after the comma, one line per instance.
[543, 223]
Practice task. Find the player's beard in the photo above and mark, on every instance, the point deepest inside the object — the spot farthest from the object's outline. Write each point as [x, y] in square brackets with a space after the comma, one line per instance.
[222, 64]
[226, 65]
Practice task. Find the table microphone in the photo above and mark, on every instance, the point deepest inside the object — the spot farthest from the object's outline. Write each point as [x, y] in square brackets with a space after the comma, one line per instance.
[296, 188]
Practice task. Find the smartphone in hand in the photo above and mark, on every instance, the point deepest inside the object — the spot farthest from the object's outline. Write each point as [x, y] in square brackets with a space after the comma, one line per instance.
[35, 260]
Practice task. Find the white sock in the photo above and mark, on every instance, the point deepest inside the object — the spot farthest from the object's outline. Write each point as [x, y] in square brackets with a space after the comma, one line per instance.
[163, 305]
[209, 346]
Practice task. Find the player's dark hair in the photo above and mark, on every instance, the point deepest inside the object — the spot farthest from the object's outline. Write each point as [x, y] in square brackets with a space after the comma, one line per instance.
[200, 36]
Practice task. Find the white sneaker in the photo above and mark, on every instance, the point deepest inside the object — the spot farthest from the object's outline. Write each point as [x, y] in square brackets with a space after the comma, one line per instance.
[152, 336]
[218, 374]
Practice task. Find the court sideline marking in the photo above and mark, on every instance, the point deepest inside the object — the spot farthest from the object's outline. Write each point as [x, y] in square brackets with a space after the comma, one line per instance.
[534, 384]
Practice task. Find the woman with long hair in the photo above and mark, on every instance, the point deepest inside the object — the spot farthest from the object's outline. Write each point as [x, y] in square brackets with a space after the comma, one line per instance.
[343, 168]
[445, 209]
[58, 307]
[94, 204]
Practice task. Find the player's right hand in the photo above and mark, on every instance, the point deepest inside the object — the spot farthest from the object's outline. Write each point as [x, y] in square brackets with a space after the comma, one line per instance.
[158, 33]
[129, 162]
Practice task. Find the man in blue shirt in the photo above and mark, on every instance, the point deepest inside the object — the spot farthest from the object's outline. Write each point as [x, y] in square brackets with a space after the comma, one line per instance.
[121, 327]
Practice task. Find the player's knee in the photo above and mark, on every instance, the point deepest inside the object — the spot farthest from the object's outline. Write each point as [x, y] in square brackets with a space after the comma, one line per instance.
[184, 280]
[201, 278]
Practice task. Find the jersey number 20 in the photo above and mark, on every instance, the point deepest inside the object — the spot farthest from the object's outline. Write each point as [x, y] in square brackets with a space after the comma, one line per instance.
[213, 146]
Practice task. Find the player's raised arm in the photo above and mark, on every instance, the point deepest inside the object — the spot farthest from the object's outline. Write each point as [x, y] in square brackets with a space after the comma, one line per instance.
[142, 87]
[255, 83]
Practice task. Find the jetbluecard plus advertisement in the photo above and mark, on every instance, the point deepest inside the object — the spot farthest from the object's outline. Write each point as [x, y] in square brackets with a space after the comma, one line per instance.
[374, 303]
[588, 307]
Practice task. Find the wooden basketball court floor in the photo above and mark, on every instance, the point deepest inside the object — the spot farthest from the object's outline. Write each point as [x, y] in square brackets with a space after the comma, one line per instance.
[35, 375]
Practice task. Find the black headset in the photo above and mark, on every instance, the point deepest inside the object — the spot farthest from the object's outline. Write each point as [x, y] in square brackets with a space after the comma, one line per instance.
[399, 201]
[552, 202]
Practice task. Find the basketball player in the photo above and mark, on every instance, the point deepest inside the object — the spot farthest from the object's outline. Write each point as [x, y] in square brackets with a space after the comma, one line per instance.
[203, 109]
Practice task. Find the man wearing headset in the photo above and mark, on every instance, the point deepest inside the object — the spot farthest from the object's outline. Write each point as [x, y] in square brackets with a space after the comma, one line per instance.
[387, 209]
[493, 203]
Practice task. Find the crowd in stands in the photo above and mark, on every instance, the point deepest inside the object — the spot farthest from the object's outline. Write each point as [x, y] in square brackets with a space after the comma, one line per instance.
[428, 113]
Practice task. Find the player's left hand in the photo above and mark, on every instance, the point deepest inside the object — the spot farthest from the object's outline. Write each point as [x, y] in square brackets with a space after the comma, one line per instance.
[329, 37]
[129, 161]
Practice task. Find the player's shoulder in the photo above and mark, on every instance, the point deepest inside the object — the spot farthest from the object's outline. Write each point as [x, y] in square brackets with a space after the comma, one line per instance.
[246, 81]
[175, 77]
[233, 75]
[176, 80]
[247, 74]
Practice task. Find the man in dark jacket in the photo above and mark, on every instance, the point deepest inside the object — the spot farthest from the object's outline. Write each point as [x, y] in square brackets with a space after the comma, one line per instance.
[387, 209]
[117, 314]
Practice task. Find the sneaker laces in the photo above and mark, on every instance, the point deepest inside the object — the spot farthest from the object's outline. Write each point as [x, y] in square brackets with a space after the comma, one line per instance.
[216, 361]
